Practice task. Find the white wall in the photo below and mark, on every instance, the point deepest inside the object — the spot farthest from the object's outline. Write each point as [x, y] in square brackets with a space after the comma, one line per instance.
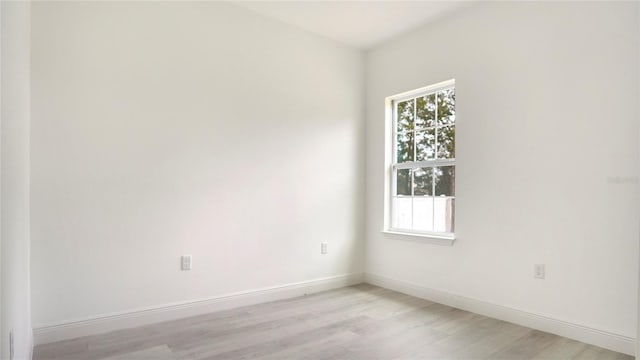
[14, 147]
[169, 128]
[547, 167]
[638, 264]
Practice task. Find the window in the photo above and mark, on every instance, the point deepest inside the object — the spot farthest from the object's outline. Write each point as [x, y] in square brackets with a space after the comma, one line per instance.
[422, 166]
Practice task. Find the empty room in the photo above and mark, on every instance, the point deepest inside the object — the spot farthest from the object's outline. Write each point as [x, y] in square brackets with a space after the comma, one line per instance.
[319, 180]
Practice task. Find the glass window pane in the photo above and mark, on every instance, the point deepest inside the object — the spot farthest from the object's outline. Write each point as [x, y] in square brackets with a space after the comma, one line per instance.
[423, 213]
[404, 115]
[444, 178]
[446, 107]
[403, 182]
[444, 201]
[401, 208]
[405, 145]
[444, 211]
[426, 144]
[426, 111]
[446, 142]
[423, 199]
[423, 181]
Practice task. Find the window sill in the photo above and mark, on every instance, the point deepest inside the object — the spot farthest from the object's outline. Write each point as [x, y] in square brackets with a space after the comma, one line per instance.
[444, 240]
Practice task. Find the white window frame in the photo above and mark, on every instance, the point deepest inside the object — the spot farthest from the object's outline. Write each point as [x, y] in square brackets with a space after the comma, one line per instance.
[440, 238]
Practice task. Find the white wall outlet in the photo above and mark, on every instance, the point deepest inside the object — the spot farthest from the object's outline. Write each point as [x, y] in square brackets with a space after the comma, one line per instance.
[185, 263]
[538, 271]
[11, 347]
[323, 248]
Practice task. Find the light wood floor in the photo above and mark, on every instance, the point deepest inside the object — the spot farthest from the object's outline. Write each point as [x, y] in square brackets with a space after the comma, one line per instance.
[359, 322]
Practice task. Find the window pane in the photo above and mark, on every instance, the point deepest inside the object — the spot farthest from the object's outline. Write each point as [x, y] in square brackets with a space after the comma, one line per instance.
[426, 111]
[401, 208]
[404, 116]
[446, 107]
[443, 220]
[446, 142]
[403, 182]
[426, 144]
[423, 181]
[423, 200]
[423, 213]
[405, 147]
[444, 177]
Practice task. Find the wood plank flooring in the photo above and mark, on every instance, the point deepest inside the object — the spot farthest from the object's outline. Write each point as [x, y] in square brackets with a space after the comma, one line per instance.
[358, 322]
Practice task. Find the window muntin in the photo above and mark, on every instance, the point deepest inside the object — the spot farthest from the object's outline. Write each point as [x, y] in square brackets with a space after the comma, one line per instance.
[423, 161]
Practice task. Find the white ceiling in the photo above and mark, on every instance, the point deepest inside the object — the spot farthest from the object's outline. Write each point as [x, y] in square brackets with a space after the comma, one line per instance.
[362, 24]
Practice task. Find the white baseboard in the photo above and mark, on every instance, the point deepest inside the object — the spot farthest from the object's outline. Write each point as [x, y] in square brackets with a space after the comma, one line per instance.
[581, 333]
[139, 317]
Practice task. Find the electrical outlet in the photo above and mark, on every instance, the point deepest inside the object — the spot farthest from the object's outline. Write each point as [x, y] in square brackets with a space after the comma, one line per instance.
[323, 248]
[11, 347]
[538, 271]
[186, 263]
